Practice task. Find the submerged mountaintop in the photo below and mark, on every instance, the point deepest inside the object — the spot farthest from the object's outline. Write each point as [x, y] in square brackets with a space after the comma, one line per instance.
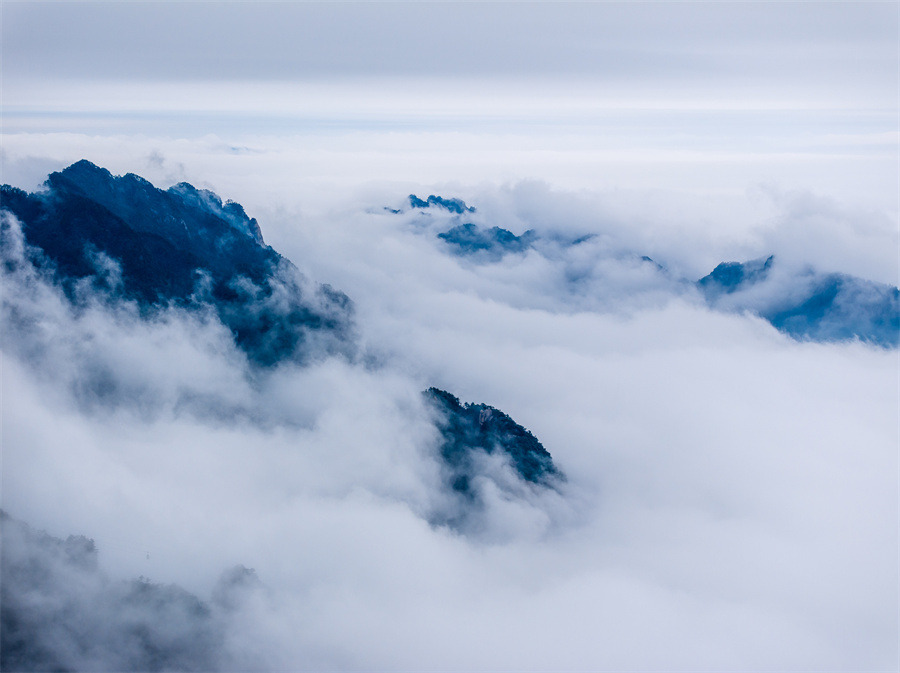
[468, 428]
[59, 612]
[494, 243]
[728, 277]
[801, 302]
[808, 304]
[453, 205]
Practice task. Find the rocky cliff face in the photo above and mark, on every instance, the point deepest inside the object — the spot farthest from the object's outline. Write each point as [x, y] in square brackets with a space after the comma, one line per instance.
[467, 429]
[180, 246]
[482, 447]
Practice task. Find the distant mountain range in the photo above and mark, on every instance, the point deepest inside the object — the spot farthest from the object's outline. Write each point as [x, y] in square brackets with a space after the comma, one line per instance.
[805, 304]
[453, 205]
[470, 239]
[809, 304]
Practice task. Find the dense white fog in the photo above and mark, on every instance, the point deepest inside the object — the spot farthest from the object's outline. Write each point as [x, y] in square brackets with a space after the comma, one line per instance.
[731, 493]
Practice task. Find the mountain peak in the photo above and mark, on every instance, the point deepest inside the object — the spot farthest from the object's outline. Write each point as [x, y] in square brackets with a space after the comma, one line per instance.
[83, 166]
[179, 246]
[727, 277]
[809, 304]
[467, 428]
[453, 205]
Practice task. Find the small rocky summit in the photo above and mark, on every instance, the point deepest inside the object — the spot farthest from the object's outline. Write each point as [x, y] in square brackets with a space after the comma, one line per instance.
[467, 429]
[492, 244]
[457, 206]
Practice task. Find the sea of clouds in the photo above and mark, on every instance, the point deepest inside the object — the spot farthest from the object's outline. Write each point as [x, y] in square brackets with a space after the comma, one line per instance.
[731, 493]
[731, 500]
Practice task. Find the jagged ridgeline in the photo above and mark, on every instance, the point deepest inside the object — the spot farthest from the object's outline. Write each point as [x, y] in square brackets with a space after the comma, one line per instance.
[802, 302]
[807, 305]
[180, 246]
[469, 429]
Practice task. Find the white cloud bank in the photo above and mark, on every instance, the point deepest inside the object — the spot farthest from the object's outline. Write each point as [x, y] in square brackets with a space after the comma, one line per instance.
[732, 495]
[731, 501]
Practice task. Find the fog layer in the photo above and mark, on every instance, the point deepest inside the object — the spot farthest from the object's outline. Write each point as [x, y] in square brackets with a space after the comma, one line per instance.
[731, 492]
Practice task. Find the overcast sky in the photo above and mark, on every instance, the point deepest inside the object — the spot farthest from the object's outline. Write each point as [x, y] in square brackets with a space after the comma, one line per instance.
[585, 95]
[827, 45]
[731, 55]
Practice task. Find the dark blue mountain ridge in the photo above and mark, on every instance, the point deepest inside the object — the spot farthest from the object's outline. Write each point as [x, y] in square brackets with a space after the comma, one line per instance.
[467, 429]
[728, 277]
[457, 206]
[470, 239]
[808, 305]
[181, 246]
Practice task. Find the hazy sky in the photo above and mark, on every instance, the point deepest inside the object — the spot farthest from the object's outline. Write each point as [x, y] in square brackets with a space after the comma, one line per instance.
[706, 97]
[735, 57]
[808, 45]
